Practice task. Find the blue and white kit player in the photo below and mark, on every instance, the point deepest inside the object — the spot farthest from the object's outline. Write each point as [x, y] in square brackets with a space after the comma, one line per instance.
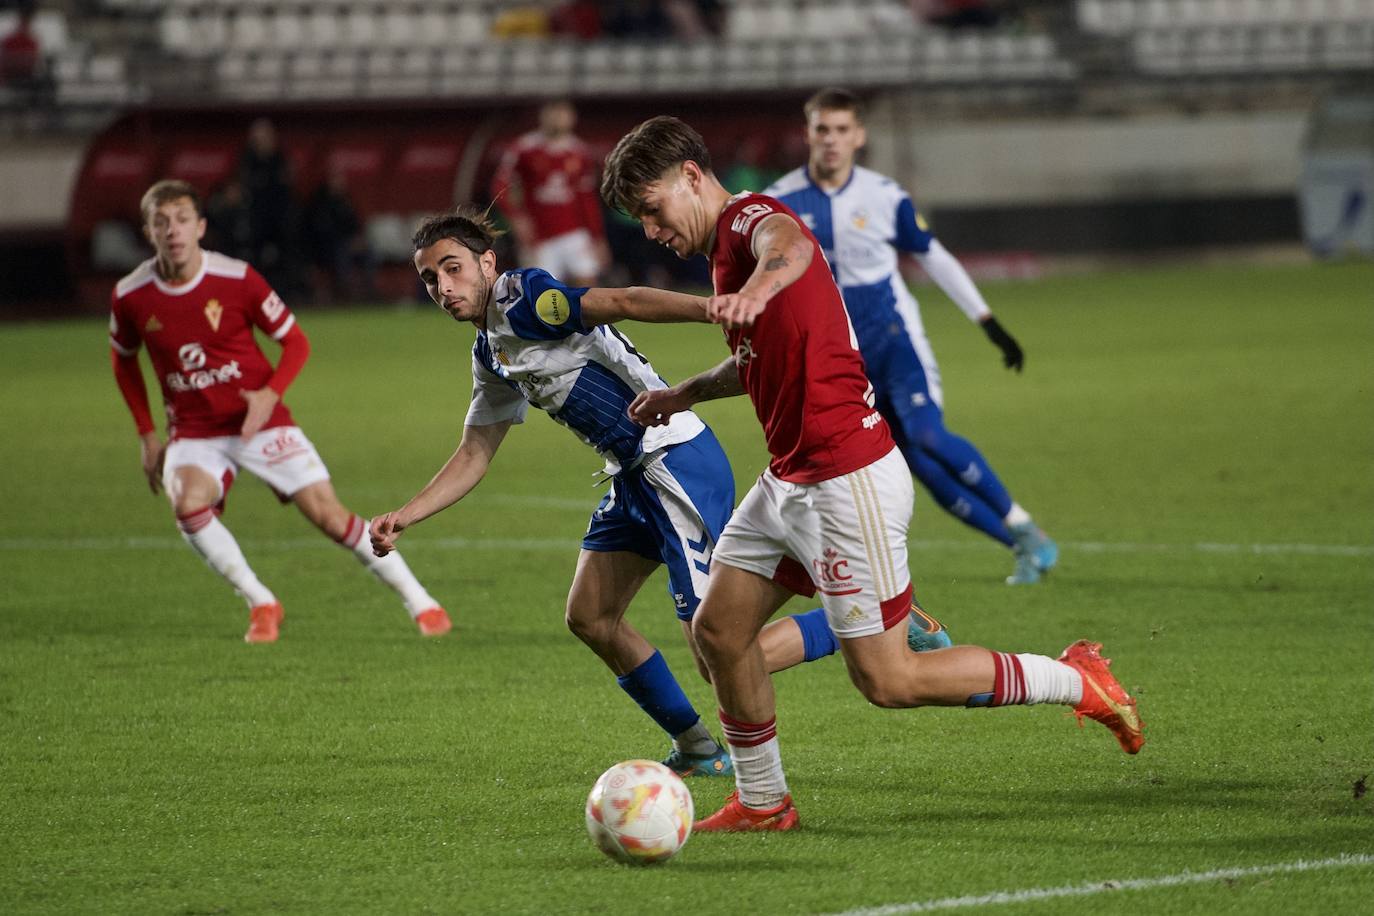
[672, 490]
[863, 220]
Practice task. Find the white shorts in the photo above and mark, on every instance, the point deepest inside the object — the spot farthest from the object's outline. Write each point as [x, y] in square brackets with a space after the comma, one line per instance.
[282, 457]
[569, 256]
[844, 537]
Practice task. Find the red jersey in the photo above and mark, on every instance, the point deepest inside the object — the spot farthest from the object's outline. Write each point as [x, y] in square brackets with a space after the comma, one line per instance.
[200, 339]
[799, 361]
[557, 181]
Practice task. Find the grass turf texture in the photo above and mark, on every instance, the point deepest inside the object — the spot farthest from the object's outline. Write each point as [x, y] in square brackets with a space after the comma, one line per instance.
[153, 763]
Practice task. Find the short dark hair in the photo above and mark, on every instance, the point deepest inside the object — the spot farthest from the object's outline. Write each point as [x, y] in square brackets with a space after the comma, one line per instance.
[166, 191]
[644, 154]
[467, 226]
[835, 99]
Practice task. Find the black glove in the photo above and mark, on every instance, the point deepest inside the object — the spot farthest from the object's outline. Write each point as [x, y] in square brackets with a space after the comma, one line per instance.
[1012, 357]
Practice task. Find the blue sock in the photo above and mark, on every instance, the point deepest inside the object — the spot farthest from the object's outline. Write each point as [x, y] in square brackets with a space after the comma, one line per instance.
[817, 639]
[956, 498]
[654, 688]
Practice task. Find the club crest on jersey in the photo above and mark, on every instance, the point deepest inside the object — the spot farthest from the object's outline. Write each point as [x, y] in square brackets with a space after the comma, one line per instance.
[859, 218]
[213, 311]
[746, 218]
[152, 325]
[552, 307]
[921, 223]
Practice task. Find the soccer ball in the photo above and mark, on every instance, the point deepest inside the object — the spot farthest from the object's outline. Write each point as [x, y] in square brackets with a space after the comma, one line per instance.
[639, 813]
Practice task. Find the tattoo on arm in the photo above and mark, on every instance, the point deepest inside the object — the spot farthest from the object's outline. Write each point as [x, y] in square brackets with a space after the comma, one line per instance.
[778, 262]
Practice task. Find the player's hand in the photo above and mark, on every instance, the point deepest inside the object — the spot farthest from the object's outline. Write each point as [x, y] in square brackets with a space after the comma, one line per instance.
[656, 408]
[152, 454]
[735, 310]
[1012, 356]
[384, 531]
[261, 403]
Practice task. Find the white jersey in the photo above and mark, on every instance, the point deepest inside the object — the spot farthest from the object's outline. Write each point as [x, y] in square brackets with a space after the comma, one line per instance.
[535, 350]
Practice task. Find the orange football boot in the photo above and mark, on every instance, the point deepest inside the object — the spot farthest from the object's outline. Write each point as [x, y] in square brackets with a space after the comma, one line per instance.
[734, 817]
[433, 622]
[263, 623]
[1104, 699]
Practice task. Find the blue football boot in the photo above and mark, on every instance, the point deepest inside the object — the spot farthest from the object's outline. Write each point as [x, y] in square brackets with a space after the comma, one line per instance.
[717, 763]
[924, 632]
[1035, 554]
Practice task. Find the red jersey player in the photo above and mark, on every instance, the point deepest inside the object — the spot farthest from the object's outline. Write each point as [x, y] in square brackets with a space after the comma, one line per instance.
[195, 311]
[831, 511]
[546, 185]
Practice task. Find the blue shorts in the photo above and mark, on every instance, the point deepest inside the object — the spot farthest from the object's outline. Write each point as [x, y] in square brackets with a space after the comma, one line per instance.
[905, 395]
[671, 509]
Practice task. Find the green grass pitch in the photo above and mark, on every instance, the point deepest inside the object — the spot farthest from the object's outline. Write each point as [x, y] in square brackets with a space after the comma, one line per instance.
[1200, 440]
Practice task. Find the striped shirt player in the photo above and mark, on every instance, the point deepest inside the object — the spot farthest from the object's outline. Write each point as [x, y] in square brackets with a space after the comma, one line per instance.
[552, 346]
[864, 221]
[195, 312]
[834, 504]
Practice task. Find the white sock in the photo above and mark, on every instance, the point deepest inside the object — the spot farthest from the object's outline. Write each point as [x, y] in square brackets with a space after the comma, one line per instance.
[758, 762]
[390, 569]
[1050, 681]
[1016, 516]
[209, 538]
[695, 740]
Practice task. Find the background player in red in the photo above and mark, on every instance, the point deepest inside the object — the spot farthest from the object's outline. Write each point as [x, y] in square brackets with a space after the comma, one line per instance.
[831, 511]
[195, 311]
[546, 186]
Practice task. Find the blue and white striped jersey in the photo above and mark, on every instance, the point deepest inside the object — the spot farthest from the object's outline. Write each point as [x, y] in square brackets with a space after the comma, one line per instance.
[861, 228]
[535, 350]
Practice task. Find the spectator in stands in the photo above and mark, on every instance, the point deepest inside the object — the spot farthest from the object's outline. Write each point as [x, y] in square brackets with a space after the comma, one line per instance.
[957, 14]
[21, 56]
[576, 19]
[546, 185]
[265, 176]
[334, 240]
[230, 224]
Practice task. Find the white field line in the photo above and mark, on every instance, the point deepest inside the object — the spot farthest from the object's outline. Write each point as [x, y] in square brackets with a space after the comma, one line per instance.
[171, 542]
[1110, 886]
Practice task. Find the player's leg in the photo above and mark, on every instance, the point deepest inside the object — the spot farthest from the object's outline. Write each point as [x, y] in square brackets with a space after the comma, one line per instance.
[195, 473]
[727, 628]
[320, 504]
[752, 575]
[622, 546]
[602, 588]
[861, 519]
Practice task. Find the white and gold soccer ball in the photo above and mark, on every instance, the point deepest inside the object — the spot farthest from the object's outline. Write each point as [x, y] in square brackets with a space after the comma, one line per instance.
[639, 813]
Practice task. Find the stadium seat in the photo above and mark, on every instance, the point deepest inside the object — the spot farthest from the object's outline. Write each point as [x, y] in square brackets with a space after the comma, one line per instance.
[388, 236]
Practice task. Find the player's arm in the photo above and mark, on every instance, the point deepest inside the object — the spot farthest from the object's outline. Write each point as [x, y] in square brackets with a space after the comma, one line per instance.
[295, 350]
[129, 378]
[640, 303]
[463, 471]
[950, 276]
[656, 407]
[783, 254]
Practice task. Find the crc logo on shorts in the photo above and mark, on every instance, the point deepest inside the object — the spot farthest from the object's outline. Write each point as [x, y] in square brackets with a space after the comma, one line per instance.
[832, 575]
[283, 446]
[192, 356]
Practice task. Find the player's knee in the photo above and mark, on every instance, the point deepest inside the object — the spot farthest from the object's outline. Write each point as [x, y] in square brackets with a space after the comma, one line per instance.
[715, 641]
[593, 629]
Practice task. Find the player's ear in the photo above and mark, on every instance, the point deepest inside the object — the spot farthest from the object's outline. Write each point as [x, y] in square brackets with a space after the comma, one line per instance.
[487, 261]
[860, 137]
[200, 229]
[691, 173]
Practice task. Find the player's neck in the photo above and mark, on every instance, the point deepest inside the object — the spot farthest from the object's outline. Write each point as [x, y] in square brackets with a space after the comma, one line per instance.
[176, 276]
[830, 181]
